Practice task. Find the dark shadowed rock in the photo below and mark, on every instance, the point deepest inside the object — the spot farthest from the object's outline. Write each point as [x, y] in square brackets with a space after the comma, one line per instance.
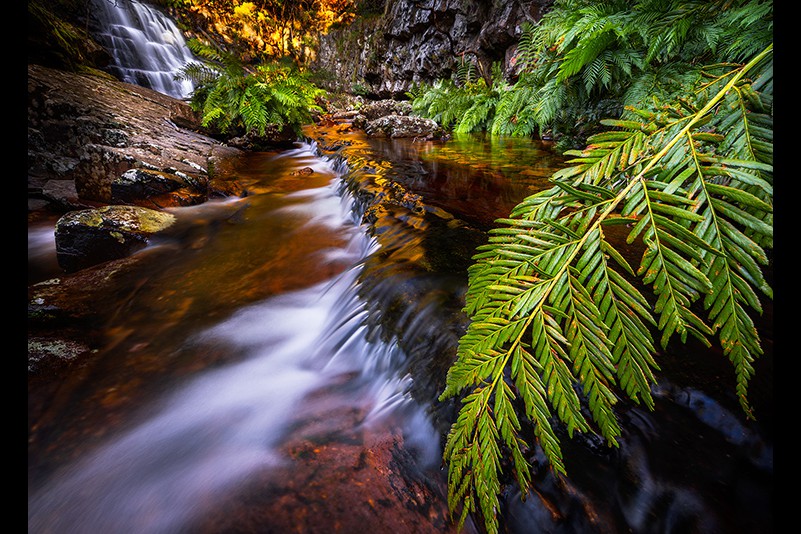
[156, 189]
[89, 237]
[273, 137]
[421, 41]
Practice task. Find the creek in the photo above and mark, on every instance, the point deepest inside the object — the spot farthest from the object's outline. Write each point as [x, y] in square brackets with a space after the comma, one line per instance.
[267, 356]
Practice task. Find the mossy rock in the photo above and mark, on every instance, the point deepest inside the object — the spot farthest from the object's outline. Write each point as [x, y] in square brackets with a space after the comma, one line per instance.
[92, 236]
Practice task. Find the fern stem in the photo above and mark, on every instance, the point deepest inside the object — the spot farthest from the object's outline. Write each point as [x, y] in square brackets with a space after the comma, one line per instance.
[613, 203]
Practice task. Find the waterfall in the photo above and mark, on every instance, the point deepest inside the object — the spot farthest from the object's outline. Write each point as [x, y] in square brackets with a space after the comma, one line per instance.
[147, 47]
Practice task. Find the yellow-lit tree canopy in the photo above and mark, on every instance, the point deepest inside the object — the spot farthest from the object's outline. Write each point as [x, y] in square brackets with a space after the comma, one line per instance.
[269, 28]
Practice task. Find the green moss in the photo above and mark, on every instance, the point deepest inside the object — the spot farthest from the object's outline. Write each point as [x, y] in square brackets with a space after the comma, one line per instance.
[130, 218]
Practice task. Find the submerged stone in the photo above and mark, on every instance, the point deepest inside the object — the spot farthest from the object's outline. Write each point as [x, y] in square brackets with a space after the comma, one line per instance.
[92, 236]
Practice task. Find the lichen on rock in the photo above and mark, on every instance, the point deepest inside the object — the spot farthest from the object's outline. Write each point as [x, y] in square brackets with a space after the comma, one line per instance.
[92, 236]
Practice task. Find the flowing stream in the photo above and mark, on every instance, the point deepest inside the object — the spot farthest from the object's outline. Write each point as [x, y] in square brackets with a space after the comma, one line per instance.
[275, 366]
[263, 358]
[200, 435]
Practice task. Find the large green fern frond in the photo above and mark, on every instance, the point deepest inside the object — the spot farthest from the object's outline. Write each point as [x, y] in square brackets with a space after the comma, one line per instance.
[557, 320]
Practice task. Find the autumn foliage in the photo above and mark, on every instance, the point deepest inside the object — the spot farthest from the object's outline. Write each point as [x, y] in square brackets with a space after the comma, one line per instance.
[268, 28]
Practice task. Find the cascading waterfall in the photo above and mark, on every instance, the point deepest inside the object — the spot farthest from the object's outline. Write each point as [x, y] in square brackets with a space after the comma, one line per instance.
[147, 47]
[230, 422]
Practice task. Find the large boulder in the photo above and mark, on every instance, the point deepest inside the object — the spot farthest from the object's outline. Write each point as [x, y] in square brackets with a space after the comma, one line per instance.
[89, 130]
[93, 236]
[395, 126]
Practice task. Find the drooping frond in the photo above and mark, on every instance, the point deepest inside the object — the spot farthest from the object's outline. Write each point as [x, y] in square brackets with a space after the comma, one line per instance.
[198, 73]
[479, 114]
[514, 112]
[526, 56]
[466, 72]
[736, 201]
[559, 320]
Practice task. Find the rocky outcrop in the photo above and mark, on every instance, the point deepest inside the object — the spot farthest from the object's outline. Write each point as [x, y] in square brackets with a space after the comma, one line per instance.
[381, 108]
[86, 131]
[395, 126]
[420, 41]
[88, 237]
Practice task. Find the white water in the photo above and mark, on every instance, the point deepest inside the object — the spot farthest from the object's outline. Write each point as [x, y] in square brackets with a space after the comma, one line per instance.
[198, 443]
[147, 47]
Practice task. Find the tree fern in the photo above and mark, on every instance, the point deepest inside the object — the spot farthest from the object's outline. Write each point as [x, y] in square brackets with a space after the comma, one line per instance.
[233, 96]
[557, 320]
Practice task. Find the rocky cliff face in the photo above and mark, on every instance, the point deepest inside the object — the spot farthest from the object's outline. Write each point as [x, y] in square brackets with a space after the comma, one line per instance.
[422, 41]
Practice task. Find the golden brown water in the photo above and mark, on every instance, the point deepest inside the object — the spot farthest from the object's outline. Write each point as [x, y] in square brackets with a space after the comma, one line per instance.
[260, 357]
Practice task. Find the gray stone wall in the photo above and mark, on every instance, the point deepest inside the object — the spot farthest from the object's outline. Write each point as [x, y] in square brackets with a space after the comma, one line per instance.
[420, 41]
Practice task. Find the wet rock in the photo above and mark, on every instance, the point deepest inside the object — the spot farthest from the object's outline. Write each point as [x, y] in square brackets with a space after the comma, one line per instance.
[62, 195]
[404, 126]
[305, 171]
[348, 482]
[91, 129]
[421, 41]
[47, 355]
[66, 315]
[274, 137]
[156, 189]
[89, 237]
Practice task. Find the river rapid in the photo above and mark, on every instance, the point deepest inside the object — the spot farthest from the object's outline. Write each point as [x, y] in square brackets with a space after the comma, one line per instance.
[273, 361]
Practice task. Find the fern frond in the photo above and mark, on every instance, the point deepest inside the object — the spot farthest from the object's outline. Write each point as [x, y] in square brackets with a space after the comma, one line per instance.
[478, 115]
[556, 320]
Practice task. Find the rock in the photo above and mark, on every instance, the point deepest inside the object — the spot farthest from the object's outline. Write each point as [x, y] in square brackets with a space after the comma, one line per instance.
[305, 171]
[421, 41]
[92, 236]
[382, 108]
[157, 189]
[273, 137]
[330, 479]
[91, 129]
[47, 355]
[404, 126]
[63, 195]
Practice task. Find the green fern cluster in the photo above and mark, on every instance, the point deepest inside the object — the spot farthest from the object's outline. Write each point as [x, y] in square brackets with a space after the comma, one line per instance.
[586, 57]
[561, 321]
[232, 97]
[635, 52]
[465, 104]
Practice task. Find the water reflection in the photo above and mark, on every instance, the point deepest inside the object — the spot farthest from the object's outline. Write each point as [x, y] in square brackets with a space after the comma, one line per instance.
[272, 334]
[476, 177]
[151, 435]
